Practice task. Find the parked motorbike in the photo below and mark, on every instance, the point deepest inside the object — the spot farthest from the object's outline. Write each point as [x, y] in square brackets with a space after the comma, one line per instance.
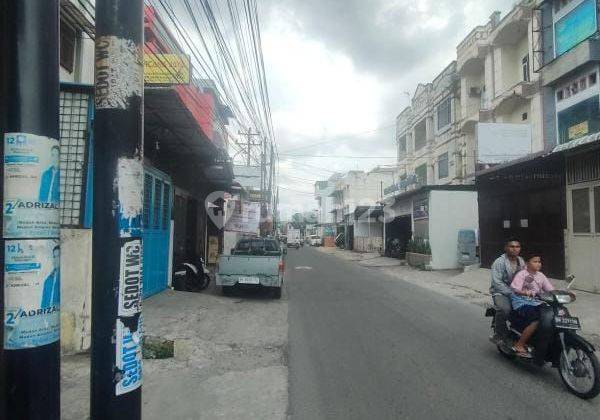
[570, 353]
[191, 276]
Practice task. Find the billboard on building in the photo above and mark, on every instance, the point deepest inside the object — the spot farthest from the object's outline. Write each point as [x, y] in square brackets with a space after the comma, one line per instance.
[166, 69]
[502, 142]
[575, 27]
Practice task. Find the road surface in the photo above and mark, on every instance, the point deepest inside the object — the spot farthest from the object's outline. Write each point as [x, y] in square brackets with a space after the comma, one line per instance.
[367, 346]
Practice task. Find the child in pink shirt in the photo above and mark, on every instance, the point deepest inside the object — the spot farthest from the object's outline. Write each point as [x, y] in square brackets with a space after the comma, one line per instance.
[526, 285]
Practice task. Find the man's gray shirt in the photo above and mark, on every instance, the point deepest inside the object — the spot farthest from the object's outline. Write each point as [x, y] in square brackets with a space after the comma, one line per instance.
[502, 275]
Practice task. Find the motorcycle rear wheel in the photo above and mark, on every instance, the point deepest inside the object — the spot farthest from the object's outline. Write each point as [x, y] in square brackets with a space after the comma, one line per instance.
[569, 377]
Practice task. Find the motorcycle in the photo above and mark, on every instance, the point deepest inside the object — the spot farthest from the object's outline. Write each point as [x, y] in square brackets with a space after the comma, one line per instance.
[571, 354]
[191, 276]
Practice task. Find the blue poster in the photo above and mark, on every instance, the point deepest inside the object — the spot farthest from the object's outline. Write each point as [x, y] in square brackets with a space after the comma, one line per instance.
[575, 27]
[31, 293]
[128, 357]
[31, 186]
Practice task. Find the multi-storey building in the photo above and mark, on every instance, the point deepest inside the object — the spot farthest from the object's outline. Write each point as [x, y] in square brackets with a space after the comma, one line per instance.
[567, 55]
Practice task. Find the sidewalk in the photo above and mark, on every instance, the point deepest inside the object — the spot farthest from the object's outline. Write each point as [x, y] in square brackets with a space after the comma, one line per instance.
[471, 286]
[230, 359]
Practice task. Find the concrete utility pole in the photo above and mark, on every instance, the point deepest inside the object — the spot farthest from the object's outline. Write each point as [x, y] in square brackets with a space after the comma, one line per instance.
[116, 376]
[30, 259]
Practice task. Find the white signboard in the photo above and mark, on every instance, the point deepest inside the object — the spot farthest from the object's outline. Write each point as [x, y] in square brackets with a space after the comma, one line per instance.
[502, 142]
[246, 221]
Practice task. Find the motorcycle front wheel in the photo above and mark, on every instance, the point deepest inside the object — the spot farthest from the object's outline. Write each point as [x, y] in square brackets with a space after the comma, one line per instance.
[580, 371]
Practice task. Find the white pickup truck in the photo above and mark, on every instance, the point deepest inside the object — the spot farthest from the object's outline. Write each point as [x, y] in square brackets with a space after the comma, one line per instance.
[256, 262]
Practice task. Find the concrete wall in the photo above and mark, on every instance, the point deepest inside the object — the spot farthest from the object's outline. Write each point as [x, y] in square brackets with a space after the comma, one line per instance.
[449, 211]
[76, 290]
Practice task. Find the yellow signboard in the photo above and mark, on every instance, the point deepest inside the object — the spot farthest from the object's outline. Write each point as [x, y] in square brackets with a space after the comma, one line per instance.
[166, 69]
[578, 130]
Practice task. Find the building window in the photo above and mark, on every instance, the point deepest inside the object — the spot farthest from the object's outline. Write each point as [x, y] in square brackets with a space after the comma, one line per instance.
[561, 4]
[592, 78]
[444, 113]
[576, 26]
[402, 146]
[581, 210]
[560, 95]
[74, 137]
[420, 135]
[67, 46]
[579, 120]
[597, 208]
[421, 173]
[443, 166]
[525, 68]
[524, 116]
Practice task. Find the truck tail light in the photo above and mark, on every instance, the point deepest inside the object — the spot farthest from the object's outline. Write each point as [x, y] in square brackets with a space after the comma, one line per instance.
[281, 266]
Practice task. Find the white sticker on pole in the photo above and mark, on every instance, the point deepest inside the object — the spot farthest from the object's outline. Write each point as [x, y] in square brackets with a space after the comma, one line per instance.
[128, 358]
[119, 72]
[31, 186]
[130, 279]
[130, 184]
[31, 293]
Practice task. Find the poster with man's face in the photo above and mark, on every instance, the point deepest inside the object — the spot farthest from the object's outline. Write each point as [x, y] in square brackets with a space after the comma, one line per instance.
[31, 293]
[31, 186]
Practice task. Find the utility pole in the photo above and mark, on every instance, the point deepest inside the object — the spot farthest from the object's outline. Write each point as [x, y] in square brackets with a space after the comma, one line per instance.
[249, 143]
[116, 374]
[30, 258]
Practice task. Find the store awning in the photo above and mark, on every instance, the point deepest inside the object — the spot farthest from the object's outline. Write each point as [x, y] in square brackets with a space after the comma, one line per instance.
[367, 212]
[172, 132]
[580, 142]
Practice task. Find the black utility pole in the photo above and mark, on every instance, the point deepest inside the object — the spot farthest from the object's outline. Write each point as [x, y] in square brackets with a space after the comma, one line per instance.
[30, 257]
[118, 187]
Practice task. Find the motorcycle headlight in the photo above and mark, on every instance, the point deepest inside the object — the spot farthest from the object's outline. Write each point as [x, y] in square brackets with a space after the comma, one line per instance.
[564, 299]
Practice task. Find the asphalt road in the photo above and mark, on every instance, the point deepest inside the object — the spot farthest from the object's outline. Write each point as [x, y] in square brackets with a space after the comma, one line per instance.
[367, 346]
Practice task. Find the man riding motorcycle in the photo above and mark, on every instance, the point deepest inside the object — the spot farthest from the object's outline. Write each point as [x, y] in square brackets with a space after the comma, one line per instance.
[503, 270]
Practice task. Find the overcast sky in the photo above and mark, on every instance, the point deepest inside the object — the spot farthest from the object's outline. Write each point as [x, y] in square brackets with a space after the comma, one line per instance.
[339, 72]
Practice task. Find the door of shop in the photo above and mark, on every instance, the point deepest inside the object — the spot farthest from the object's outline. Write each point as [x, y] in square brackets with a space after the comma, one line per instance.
[157, 224]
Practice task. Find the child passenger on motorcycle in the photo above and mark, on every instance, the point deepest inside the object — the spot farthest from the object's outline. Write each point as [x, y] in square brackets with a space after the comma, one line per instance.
[526, 285]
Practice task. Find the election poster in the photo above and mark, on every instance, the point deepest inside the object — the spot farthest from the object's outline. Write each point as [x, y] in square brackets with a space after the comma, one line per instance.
[31, 293]
[128, 357]
[31, 186]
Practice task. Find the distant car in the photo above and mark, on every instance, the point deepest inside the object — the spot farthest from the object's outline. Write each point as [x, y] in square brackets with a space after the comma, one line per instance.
[293, 245]
[314, 240]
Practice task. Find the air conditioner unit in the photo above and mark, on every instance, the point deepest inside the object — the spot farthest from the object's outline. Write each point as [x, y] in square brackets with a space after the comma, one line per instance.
[474, 91]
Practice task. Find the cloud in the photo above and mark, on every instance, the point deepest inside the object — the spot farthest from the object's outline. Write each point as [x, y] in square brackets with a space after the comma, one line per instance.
[338, 72]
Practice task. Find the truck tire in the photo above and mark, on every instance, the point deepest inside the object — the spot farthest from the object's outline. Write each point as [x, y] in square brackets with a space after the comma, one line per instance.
[277, 292]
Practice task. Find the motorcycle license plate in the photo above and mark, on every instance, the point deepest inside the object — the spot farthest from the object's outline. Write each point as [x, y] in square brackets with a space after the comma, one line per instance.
[568, 322]
[249, 280]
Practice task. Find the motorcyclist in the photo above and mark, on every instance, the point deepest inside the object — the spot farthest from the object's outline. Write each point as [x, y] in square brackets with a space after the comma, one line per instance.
[503, 270]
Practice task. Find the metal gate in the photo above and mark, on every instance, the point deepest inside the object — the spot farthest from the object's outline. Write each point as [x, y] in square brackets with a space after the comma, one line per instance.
[157, 224]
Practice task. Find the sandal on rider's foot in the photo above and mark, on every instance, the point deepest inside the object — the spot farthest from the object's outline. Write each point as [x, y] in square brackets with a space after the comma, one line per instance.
[522, 353]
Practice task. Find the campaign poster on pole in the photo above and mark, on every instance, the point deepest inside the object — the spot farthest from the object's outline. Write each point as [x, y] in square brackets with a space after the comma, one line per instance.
[31, 186]
[31, 293]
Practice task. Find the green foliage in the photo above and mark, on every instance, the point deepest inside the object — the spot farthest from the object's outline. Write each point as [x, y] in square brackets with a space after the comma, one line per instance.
[419, 245]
